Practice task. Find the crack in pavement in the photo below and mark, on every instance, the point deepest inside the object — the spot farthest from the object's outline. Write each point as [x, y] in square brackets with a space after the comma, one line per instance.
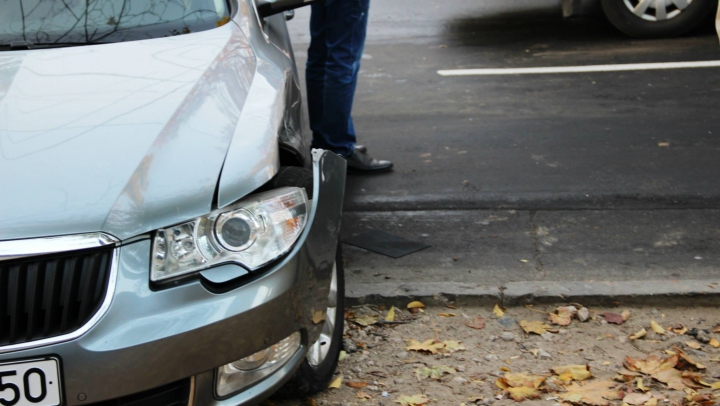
[534, 238]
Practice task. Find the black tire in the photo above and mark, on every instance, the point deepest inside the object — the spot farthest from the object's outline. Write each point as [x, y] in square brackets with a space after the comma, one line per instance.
[294, 176]
[623, 19]
[309, 379]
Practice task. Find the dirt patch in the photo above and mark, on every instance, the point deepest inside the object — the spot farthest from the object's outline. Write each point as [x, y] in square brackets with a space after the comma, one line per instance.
[460, 361]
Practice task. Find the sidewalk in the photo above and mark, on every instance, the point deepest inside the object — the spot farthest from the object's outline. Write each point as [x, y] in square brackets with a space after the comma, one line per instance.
[470, 363]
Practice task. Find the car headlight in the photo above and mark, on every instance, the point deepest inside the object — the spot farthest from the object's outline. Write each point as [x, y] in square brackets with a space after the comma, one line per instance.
[252, 232]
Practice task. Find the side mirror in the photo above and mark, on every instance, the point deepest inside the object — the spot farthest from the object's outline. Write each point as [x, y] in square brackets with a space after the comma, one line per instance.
[266, 8]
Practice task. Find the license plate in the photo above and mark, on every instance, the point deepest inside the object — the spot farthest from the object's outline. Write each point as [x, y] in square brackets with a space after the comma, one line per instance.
[30, 383]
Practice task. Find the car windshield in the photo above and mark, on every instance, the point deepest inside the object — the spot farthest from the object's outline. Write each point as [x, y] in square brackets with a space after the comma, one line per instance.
[77, 22]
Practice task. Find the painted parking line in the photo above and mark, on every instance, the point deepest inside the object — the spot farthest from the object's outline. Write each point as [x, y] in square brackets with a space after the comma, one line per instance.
[579, 69]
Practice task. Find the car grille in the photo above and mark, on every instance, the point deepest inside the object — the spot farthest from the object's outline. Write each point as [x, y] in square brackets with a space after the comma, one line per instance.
[174, 394]
[49, 296]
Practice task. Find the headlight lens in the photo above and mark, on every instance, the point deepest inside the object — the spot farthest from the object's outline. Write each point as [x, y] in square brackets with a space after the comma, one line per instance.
[252, 232]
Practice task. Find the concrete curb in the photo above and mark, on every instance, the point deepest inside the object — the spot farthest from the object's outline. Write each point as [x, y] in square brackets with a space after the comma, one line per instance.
[673, 293]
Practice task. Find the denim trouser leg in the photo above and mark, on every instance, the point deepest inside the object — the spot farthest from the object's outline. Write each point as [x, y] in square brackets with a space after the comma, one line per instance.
[337, 29]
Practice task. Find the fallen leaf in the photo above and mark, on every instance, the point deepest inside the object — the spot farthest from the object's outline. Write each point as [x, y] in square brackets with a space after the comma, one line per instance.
[318, 316]
[427, 346]
[573, 372]
[356, 384]
[613, 318]
[518, 380]
[363, 395]
[625, 314]
[715, 386]
[523, 392]
[390, 314]
[365, 320]
[640, 334]
[637, 399]
[656, 327]
[498, 312]
[451, 346]
[714, 343]
[679, 329]
[336, 382]
[716, 329]
[650, 365]
[693, 344]
[342, 356]
[447, 314]
[671, 377]
[694, 380]
[640, 384]
[433, 373]
[537, 327]
[685, 359]
[415, 305]
[598, 393]
[663, 144]
[651, 402]
[563, 315]
[406, 400]
[478, 323]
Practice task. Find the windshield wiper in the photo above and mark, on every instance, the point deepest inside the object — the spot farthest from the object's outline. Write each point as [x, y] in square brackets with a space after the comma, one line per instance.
[26, 45]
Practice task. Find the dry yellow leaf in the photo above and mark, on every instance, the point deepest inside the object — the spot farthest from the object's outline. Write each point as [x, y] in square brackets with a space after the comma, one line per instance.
[573, 372]
[671, 377]
[518, 380]
[637, 399]
[715, 386]
[365, 320]
[447, 314]
[625, 314]
[414, 400]
[693, 344]
[640, 385]
[506, 369]
[415, 305]
[687, 360]
[640, 334]
[679, 329]
[650, 365]
[523, 392]
[656, 327]
[651, 402]
[427, 346]
[563, 315]
[498, 312]
[598, 393]
[537, 327]
[714, 343]
[391, 314]
[318, 316]
[336, 382]
[450, 346]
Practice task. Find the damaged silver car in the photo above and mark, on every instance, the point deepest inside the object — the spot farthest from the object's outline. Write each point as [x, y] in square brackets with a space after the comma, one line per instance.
[166, 235]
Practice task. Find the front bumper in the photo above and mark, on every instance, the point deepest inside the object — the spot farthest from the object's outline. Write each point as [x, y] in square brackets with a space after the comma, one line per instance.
[150, 337]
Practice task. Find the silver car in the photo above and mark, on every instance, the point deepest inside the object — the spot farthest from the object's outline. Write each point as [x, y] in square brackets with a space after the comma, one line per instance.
[166, 235]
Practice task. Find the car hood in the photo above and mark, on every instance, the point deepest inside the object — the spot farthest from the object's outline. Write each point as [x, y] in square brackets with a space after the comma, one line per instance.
[122, 138]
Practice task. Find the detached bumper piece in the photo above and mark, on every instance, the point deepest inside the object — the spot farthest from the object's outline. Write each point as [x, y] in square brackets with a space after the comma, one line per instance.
[174, 394]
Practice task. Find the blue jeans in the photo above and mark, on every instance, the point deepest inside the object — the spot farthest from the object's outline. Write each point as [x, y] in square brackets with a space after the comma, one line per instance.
[337, 31]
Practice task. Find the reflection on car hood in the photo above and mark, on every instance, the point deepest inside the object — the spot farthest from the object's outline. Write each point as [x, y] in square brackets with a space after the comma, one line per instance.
[122, 138]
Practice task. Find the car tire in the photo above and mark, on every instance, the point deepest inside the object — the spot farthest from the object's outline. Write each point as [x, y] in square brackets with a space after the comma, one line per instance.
[315, 373]
[620, 15]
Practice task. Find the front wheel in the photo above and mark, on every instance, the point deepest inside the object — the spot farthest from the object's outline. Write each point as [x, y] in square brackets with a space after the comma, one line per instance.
[318, 367]
[657, 18]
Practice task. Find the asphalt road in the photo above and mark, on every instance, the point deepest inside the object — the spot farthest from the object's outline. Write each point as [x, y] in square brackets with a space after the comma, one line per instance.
[560, 141]
[531, 178]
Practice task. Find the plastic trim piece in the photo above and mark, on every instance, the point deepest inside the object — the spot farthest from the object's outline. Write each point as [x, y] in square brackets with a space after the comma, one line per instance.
[109, 294]
[13, 249]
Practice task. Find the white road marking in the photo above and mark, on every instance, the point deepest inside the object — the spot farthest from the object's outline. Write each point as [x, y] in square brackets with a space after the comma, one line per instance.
[579, 69]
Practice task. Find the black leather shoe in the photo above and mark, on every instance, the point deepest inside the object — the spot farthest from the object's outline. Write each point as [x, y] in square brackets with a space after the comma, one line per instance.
[361, 148]
[359, 162]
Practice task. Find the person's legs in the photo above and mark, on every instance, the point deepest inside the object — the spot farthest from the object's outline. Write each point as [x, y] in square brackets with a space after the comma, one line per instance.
[315, 72]
[344, 34]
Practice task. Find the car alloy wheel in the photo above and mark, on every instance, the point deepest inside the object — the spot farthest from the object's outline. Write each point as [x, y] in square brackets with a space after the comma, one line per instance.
[319, 350]
[657, 10]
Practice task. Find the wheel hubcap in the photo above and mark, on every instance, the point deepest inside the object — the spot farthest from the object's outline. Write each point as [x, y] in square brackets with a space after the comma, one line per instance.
[657, 10]
[319, 350]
